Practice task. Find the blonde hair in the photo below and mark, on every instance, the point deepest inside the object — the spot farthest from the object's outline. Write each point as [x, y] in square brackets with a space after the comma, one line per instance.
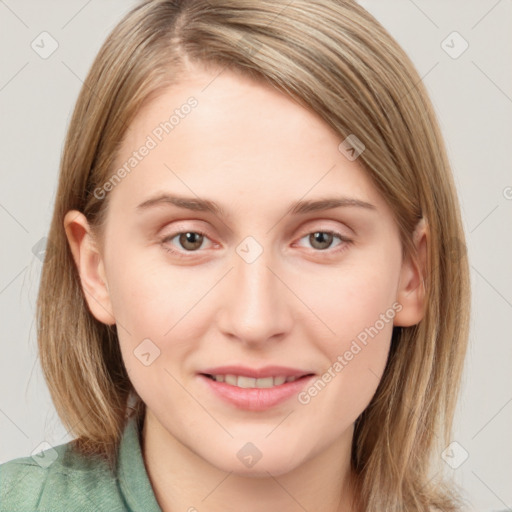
[333, 57]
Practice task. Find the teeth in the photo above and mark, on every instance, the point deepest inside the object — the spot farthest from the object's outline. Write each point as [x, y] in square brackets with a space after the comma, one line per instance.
[267, 382]
[249, 382]
[246, 382]
[229, 379]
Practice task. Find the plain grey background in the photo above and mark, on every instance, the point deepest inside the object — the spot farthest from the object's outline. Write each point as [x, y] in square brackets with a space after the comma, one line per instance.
[471, 92]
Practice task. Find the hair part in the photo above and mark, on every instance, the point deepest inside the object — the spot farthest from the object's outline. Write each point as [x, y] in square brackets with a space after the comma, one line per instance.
[337, 60]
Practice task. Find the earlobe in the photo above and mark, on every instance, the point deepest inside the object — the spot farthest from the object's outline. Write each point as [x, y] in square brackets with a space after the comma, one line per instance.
[90, 266]
[411, 288]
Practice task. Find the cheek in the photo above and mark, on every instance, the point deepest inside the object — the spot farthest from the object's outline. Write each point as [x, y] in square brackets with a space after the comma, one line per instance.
[350, 300]
[154, 306]
[148, 310]
[147, 293]
[355, 356]
[357, 310]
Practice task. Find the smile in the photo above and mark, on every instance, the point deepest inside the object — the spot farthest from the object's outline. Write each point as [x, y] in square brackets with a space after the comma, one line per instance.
[241, 381]
[254, 394]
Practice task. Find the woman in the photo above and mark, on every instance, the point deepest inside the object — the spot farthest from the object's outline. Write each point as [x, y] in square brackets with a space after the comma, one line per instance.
[257, 295]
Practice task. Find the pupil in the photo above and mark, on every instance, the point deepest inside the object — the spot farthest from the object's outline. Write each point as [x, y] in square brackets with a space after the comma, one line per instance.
[322, 238]
[188, 238]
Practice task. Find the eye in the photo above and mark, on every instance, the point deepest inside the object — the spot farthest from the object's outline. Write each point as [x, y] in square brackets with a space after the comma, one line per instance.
[322, 240]
[189, 241]
[192, 241]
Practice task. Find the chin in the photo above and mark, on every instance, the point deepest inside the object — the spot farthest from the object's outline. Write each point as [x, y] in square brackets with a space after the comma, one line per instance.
[275, 465]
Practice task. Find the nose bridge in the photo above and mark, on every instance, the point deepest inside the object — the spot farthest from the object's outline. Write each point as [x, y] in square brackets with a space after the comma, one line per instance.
[255, 306]
[256, 281]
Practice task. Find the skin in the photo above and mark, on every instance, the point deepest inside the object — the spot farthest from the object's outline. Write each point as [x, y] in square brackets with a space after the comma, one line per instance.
[254, 151]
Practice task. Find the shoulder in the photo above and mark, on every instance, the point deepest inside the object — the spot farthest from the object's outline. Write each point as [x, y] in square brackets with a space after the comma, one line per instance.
[57, 479]
[22, 480]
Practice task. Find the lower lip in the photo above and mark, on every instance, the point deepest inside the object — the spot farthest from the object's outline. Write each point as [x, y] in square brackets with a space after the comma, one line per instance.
[256, 399]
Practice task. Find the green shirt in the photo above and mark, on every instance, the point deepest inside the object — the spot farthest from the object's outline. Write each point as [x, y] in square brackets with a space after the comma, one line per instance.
[58, 479]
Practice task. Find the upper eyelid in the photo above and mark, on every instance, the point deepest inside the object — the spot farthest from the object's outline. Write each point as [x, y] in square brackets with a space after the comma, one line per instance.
[305, 231]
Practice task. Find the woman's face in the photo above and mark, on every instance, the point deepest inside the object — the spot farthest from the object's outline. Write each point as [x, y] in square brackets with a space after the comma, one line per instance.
[253, 282]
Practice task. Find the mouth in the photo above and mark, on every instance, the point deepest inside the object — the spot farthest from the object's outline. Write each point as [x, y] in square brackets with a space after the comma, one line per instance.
[254, 393]
[241, 381]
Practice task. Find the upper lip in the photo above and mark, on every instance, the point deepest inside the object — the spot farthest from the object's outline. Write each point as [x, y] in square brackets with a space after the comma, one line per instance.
[257, 373]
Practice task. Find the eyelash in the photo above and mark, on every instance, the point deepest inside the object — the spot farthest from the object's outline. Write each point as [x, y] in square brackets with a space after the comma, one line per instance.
[179, 254]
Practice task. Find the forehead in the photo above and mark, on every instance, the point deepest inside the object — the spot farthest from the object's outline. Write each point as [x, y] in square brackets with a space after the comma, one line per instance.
[218, 133]
[228, 103]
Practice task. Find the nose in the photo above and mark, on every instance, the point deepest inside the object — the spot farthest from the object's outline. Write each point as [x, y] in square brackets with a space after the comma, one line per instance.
[255, 302]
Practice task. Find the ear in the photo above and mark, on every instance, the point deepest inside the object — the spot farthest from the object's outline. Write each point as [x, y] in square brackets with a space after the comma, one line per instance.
[89, 263]
[411, 287]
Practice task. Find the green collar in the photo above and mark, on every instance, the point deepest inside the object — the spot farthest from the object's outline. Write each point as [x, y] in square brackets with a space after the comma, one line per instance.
[133, 479]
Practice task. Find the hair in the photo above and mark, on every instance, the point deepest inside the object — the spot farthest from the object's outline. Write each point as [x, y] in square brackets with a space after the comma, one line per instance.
[336, 59]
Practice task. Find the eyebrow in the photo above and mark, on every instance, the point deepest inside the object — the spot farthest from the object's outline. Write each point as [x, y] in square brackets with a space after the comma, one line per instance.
[297, 208]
